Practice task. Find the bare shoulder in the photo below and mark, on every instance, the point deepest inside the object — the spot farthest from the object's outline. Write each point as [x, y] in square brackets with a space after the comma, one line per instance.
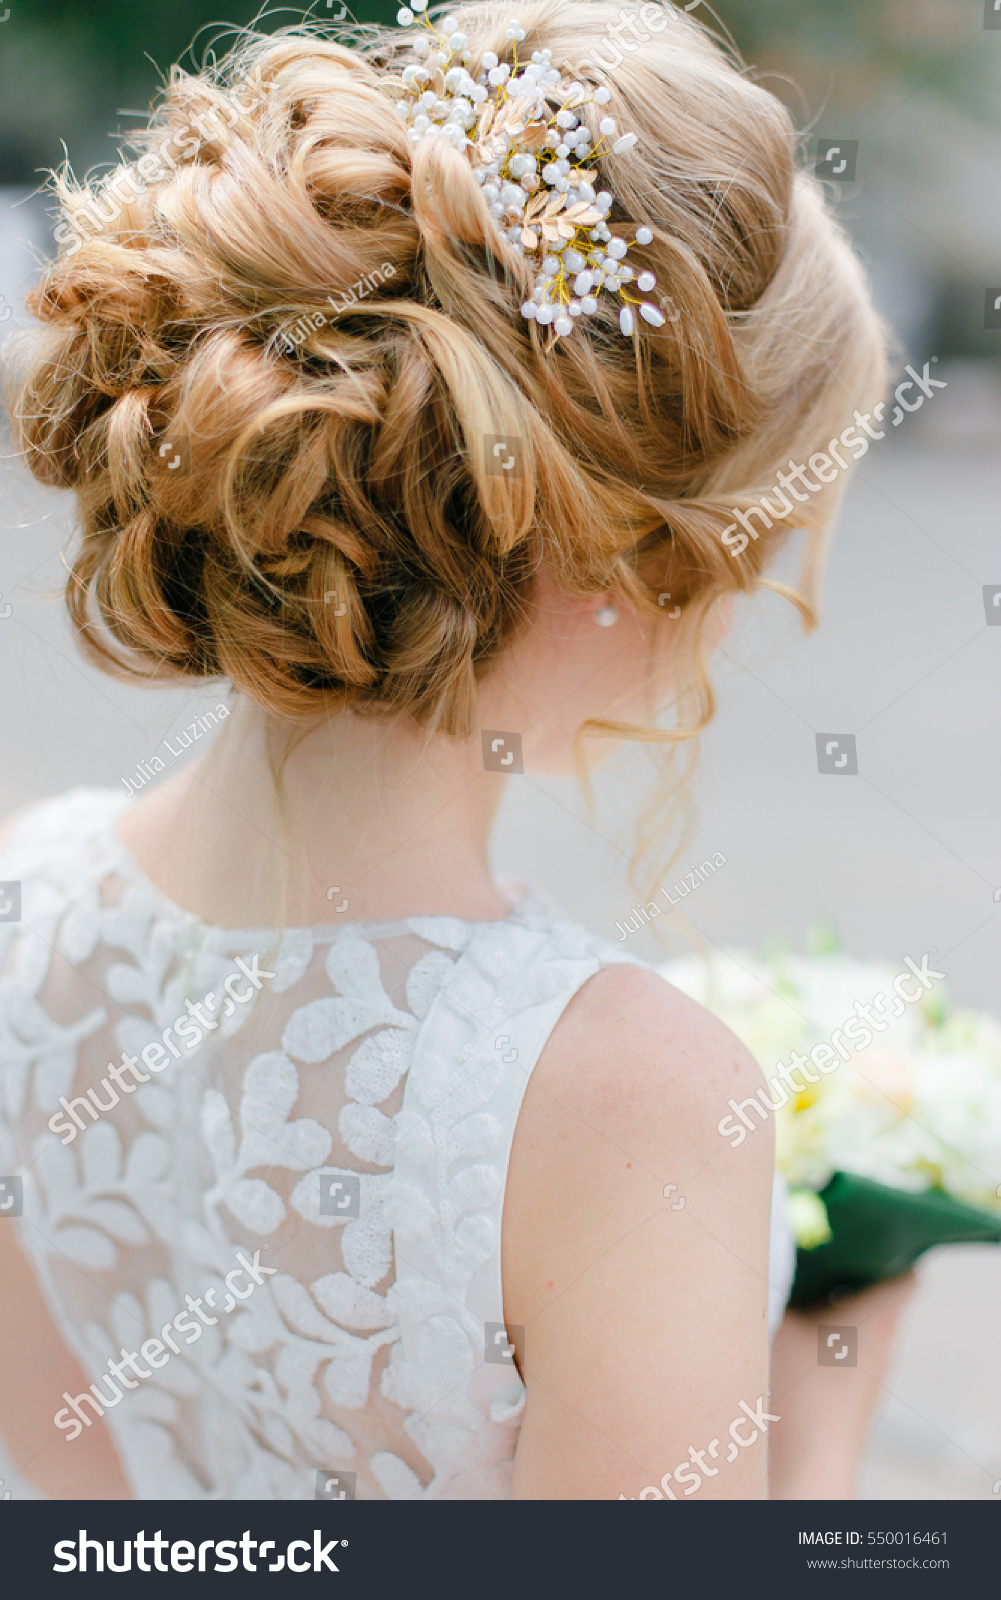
[621, 1114]
[635, 1244]
[650, 1063]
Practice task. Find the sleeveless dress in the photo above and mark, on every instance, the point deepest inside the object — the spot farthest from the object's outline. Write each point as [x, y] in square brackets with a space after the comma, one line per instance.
[260, 1175]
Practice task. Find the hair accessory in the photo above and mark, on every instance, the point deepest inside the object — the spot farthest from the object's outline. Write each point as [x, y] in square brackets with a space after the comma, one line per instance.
[535, 166]
[606, 615]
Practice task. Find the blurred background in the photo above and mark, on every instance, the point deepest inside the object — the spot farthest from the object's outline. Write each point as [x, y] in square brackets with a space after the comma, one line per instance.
[901, 859]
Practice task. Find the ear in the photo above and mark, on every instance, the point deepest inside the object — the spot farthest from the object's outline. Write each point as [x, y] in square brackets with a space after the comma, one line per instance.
[569, 615]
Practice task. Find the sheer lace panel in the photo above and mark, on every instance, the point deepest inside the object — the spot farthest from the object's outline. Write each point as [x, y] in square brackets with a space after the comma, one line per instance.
[294, 1222]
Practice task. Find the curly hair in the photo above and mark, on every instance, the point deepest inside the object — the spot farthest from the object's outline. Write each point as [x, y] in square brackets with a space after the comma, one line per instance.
[311, 513]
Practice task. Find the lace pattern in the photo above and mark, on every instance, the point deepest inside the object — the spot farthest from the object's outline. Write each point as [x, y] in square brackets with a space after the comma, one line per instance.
[335, 1143]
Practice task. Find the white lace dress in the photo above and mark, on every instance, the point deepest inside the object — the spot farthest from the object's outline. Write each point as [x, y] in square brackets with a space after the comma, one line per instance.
[273, 1240]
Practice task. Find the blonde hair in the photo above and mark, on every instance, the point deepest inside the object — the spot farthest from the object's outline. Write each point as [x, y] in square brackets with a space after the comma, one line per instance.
[331, 535]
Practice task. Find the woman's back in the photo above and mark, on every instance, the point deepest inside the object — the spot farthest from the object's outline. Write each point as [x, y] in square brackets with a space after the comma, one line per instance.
[427, 537]
[293, 1220]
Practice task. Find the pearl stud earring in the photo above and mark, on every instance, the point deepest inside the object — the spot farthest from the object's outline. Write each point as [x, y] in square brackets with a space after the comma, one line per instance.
[606, 615]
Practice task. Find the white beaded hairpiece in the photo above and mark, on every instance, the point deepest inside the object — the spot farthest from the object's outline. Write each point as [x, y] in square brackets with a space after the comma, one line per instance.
[503, 121]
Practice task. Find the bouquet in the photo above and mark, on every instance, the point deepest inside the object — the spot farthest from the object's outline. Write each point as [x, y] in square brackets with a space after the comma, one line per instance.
[886, 1104]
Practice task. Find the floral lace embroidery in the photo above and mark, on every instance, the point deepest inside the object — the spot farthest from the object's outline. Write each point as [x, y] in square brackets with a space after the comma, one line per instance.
[384, 1063]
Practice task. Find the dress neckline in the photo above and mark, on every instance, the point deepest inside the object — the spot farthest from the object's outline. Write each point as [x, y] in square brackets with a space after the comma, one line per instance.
[529, 903]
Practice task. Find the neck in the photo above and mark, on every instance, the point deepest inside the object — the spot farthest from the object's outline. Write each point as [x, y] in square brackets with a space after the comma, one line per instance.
[368, 819]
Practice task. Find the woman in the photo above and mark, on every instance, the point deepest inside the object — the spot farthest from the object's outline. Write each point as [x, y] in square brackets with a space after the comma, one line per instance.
[290, 1079]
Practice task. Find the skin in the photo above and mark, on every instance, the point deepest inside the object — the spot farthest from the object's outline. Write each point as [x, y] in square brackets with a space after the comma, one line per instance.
[645, 1322]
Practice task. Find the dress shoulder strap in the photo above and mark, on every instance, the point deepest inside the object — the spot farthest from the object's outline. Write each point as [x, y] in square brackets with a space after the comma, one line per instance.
[472, 1063]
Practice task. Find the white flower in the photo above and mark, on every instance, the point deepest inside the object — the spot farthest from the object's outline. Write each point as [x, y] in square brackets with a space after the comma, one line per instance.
[807, 1218]
[916, 1106]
